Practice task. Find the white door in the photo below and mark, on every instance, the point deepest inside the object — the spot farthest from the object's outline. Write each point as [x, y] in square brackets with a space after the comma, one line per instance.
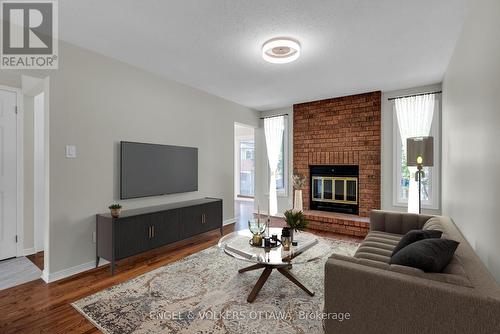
[8, 174]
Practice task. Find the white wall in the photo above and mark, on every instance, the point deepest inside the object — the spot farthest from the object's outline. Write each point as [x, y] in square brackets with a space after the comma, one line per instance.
[95, 102]
[471, 127]
[285, 202]
[387, 163]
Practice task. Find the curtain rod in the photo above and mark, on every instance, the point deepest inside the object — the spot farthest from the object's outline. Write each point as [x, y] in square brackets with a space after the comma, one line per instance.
[401, 97]
[274, 116]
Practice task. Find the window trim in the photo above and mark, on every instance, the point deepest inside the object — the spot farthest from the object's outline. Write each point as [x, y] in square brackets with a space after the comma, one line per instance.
[434, 204]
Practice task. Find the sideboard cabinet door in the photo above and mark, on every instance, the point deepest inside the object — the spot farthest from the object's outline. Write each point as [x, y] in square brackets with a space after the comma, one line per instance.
[131, 236]
[213, 215]
[191, 222]
[165, 228]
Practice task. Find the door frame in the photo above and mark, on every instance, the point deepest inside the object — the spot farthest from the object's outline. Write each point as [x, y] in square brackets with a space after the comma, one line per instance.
[19, 168]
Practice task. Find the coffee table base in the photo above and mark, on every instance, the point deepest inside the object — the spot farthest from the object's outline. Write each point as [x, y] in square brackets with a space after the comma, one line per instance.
[283, 269]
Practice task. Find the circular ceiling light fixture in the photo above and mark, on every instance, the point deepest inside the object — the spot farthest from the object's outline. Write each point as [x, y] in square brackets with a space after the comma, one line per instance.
[280, 50]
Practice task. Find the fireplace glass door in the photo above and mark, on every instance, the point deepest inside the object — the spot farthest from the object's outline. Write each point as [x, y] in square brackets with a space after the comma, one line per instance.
[335, 189]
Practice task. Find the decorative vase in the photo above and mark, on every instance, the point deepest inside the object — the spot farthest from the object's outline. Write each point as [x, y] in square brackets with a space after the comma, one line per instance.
[297, 201]
[115, 213]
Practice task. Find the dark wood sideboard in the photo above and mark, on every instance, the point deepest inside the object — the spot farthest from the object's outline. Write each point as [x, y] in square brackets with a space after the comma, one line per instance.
[140, 230]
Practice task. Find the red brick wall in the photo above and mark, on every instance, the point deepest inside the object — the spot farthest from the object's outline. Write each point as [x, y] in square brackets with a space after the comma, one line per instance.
[341, 131]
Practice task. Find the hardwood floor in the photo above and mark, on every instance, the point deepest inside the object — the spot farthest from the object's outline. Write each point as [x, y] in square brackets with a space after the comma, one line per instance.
[37, 259]
[37, 307]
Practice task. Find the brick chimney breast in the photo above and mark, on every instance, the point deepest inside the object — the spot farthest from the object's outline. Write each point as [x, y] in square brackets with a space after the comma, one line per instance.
[341, 131]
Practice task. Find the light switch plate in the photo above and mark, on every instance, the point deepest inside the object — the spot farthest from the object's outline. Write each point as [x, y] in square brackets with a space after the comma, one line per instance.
[70, 151]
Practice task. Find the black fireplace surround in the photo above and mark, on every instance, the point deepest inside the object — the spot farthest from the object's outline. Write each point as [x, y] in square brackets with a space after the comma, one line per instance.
[334, 188]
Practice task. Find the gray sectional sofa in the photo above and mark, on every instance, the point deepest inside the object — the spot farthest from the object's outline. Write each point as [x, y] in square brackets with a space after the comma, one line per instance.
[385, 298]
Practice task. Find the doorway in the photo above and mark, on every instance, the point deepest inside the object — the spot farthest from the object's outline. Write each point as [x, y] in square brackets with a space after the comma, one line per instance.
[36, 160]
[24, 168]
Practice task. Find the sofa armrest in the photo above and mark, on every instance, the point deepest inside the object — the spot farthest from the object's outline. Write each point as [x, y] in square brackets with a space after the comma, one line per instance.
[381, 301]
[396, 222]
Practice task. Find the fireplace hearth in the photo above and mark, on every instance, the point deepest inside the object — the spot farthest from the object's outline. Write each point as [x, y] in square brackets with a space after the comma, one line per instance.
[334, 188]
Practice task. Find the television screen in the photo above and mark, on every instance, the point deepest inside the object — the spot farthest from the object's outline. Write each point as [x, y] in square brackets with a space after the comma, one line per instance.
[151, 169]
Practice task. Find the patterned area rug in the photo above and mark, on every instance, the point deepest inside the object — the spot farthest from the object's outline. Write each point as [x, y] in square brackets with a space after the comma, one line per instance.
[203, 293]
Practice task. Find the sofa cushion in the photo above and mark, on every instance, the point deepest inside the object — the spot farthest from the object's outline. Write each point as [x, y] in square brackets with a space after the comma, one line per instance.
[378, 246]
[434, 223]
[396, 222]
[416, 235]
[445, 277]
[430, 255]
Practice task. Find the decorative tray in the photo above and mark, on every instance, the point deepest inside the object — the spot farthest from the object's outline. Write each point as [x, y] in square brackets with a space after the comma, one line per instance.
[277, 244]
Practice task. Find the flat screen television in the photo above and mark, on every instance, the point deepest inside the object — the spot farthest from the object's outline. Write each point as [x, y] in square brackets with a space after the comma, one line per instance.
[152, 169]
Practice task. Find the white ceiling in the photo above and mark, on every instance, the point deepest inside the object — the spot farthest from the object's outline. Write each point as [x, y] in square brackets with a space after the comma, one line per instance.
[348, 46]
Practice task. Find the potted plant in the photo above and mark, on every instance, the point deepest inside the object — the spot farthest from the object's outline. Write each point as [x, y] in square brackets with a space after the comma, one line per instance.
[299, 182]
[115, 210]
[295, 220]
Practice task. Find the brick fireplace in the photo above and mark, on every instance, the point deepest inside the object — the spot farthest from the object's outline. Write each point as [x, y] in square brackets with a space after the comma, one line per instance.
[340, 132]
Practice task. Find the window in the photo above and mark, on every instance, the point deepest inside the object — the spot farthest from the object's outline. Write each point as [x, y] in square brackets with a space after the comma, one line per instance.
[247, 170]
[280, 175]
[281, 179]
[401, 176]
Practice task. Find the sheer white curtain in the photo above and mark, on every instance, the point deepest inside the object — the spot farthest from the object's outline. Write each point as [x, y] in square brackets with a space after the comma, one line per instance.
[273, 129]
[414, 120]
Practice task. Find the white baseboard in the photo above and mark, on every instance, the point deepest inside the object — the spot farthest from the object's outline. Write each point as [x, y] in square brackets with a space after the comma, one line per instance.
[45, 276]
[229, 221]
[58, 275]
[29, 251]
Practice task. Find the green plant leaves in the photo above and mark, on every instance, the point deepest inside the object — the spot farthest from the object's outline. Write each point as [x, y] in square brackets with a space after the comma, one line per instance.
[295, 219]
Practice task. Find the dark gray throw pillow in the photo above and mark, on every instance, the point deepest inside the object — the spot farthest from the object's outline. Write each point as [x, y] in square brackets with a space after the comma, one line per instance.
[430, 255]
[416, 235]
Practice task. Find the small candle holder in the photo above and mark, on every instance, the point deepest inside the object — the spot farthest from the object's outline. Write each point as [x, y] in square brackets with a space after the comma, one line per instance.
[286, 239]
[267, 242]
[286, 242]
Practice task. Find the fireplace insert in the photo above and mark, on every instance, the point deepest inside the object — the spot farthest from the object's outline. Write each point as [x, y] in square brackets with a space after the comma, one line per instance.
[334, 188]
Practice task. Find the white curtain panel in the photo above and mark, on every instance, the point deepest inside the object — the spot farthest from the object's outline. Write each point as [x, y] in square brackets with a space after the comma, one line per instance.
[273, 129]
[414, 115]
